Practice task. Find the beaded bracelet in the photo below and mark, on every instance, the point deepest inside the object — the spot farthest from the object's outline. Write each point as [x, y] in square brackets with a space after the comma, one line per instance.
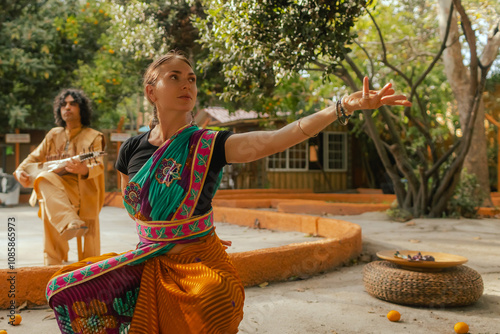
[343, 120]
[343, 108]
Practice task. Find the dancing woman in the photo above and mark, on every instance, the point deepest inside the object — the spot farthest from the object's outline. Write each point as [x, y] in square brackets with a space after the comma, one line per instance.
[179, 279]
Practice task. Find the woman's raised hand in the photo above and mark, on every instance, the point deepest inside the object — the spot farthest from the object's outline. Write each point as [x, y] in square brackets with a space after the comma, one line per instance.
[373, 99]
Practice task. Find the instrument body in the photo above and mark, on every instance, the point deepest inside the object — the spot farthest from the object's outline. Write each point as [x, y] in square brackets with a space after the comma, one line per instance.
[57, 166]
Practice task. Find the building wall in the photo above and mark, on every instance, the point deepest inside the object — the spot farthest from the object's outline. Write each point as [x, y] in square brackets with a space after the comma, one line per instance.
[315, 180]
[256, 175]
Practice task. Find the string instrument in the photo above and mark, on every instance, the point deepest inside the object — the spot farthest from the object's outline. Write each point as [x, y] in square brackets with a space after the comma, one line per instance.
[58, 166]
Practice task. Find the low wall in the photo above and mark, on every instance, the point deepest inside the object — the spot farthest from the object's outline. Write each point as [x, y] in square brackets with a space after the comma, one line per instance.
[342, 242]
[344, 198]
[324, 208]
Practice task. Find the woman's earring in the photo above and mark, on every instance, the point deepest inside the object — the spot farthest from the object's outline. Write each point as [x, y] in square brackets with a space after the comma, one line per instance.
[192, 118]
[155, 120]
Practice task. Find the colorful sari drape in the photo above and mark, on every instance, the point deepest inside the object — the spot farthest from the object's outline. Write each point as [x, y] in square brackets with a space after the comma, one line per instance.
[147, 290]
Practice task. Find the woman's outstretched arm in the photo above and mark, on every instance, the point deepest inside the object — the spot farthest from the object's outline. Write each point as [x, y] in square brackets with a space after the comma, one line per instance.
[251, 146]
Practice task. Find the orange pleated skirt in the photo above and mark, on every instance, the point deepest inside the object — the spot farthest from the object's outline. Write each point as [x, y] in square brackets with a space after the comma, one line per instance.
[195, 291]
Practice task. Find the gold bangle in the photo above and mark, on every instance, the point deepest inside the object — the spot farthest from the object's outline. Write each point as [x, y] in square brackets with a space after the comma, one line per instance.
[305, 134]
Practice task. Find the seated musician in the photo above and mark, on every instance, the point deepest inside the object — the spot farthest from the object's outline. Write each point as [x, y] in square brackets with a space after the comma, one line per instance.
[72, 196]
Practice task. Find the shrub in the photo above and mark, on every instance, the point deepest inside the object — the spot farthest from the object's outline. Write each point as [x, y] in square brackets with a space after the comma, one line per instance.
[467, 198]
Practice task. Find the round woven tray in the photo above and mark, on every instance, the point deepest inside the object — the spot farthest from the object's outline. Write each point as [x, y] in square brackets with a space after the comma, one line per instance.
[456, 286]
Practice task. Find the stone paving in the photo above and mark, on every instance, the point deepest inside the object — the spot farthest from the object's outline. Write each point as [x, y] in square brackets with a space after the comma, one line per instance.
[333, 302]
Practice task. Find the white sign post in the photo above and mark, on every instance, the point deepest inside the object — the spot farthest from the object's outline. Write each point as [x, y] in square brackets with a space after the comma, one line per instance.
[14, 138]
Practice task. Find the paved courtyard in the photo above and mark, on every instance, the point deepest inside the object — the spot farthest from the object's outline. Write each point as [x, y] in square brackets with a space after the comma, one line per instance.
[333, 302]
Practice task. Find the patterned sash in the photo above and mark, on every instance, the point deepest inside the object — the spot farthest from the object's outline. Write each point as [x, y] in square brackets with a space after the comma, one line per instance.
[164, 232]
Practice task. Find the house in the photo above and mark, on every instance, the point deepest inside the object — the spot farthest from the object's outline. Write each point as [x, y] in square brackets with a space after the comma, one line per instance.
[324, 163]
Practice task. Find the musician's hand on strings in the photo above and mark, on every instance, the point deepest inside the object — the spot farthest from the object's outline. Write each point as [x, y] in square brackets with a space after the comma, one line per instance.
[77, 167]
[22, 177]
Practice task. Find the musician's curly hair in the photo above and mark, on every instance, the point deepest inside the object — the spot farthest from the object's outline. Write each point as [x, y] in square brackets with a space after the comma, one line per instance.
[80, 98]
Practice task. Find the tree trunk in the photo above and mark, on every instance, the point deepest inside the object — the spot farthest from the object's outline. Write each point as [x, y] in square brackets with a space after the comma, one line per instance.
[476, 161]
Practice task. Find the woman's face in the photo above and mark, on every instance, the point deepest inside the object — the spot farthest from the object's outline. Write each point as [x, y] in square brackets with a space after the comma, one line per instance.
[175, 88]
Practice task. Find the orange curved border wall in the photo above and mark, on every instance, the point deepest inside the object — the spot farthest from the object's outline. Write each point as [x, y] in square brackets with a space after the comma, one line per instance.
[344, 198]
[342, 239]
[323, 208]
[342, 242]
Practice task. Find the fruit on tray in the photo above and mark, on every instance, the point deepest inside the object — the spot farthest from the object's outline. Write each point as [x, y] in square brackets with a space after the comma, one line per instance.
[416, 257]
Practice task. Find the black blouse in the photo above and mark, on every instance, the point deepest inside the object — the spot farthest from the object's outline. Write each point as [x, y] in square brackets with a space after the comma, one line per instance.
[136, 150]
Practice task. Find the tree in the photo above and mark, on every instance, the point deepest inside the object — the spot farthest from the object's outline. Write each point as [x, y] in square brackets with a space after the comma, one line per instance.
[108, 76]
[137, 33]
[36, 60]
[260, 43]
[256, 55]
[465, 81]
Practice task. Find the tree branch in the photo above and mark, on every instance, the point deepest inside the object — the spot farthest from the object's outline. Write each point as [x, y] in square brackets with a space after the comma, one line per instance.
[471, 40]
[490, 51]
[449, 178]
[445, 157]
[384, 51]
[369, 58]
[441, 50]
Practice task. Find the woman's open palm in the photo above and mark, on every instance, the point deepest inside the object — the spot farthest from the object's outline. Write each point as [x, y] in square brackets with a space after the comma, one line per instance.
[373, 99]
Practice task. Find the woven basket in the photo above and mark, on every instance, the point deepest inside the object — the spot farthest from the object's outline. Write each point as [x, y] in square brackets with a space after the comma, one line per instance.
[456, 286]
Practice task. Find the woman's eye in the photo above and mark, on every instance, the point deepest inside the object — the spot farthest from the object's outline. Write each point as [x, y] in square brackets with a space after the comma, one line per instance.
[192, 79]
[173, 77]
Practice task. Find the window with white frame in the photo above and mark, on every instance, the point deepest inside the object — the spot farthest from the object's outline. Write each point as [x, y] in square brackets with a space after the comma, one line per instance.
[335, 151]
[294, 158]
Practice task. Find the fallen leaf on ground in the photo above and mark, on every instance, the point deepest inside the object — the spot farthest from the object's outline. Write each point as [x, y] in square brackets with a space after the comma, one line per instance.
[263, 285]
[23, 306]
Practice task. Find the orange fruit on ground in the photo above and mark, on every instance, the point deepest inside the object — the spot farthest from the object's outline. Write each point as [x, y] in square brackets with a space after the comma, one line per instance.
[393, 315]
[3, 331]
[16, 321]
[461, 328]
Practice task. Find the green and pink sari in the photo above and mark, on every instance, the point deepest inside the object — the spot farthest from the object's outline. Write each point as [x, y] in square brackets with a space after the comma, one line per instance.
[99, 295]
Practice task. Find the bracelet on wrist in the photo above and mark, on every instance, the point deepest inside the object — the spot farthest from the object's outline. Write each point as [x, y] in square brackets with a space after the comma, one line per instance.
[341, 116]
[344, 109]
[302, 130]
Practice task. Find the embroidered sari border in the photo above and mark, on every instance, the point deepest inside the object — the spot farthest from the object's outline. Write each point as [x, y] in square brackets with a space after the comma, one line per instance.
[209, 160]
[53, 286]
[200, 149]
[180, 237]
[155, 223]
[176, 231]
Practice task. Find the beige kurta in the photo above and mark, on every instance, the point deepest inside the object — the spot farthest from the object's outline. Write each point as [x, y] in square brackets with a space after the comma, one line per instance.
[68, 197]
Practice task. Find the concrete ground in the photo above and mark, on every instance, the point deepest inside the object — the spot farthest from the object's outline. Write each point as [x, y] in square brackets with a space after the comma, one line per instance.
[334, 302]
